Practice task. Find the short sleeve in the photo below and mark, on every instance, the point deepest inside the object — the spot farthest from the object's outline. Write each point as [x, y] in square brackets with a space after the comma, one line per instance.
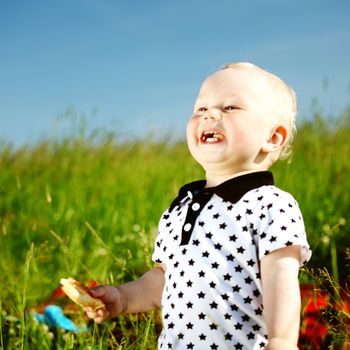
[160, 248]
[279, 223]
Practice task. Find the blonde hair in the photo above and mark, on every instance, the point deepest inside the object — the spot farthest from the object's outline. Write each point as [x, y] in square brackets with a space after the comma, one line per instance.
[285, 100]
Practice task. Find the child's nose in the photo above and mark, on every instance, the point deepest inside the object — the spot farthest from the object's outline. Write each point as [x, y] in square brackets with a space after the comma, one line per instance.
[213, 113]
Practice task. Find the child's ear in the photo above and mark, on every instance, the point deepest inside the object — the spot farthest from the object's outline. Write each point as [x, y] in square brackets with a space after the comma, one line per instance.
[276, 141]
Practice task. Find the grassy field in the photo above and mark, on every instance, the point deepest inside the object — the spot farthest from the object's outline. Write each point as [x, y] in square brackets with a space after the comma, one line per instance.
[88, 206]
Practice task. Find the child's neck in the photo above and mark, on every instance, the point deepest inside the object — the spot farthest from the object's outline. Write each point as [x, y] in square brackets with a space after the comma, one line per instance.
[217, 179]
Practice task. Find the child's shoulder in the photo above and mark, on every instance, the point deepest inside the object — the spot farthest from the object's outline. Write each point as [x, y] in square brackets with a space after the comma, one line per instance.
[272, 193]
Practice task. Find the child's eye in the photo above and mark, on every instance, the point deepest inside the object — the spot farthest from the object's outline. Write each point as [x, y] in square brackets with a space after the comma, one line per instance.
[202, 109]
[230, 108]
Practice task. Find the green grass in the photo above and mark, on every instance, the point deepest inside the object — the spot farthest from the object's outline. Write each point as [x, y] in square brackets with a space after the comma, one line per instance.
[88, 207]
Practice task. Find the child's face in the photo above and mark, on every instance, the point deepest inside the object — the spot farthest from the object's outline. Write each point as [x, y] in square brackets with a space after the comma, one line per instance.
[231, 122]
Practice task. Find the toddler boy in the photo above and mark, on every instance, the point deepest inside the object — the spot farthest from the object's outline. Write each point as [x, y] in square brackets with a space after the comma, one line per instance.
[229, 247]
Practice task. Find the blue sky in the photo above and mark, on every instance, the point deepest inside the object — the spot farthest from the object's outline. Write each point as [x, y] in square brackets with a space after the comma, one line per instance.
[133, 66]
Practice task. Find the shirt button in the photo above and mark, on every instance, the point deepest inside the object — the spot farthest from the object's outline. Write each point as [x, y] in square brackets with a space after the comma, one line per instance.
[195, 206]
[187, 227]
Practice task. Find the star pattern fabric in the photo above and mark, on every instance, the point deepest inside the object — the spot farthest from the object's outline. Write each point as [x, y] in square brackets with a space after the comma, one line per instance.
[211, 241]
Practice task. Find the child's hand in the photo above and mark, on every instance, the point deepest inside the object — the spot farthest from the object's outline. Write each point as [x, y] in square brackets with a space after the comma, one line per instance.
[112, 299]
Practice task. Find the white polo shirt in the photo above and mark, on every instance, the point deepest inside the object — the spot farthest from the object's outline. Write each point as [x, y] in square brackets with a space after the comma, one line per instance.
[211, 241]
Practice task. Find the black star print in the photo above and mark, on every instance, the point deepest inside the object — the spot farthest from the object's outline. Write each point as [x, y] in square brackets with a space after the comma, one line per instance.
[288, 243]
[212, 285]
[218, 246]
[201, 316]
[209, 235]
[214, 265]
[238, 346]
[238, 326]
[195, 242]
[176, 237]
[201, 223]
[189, 325]
[273, 239]
[171, 325]
[202, 337]
[230, 207]
[227, 316]
[263, 235]
[191, 262]
[236, 288]
[181, 315]
[166, 216]
[269, 206]
[223, 226]
[262, 216]
[180, 336]
[205, 254]
[260, 198]
[189, 305]
[224, 296]
[251, 335]
[234, 307]
[182, 273]
[180, 295]
[170, 346]
[282, 211]
[213, 346]
[238, 217]
[190, 346]
[201, 295]
[238, 268]
[184, 251]
[189, 283]
[283, 228]
[245, 318]
[244, 228]
[256, 328]
[210, 207]
[249, 212]
[248, 280]
[250, 262]
[247, 300]
[230, 257]
[227, 277]
[201, 273]
[228, 336]
[216, 216]
[213, 326]
[258, 311]
[240, 250]
[213, 305]
[233, 238]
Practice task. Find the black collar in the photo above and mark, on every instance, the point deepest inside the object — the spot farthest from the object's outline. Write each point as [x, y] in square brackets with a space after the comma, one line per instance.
[231, 190]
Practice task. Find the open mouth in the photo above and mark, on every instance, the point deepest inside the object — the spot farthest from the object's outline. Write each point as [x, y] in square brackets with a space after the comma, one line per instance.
[211, 137]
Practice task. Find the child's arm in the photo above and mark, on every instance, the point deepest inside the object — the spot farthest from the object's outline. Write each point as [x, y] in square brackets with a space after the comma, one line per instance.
[281, 297]
[140, 295]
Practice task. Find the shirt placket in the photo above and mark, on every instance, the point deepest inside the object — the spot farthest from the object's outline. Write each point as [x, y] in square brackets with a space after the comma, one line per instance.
[197, 202]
